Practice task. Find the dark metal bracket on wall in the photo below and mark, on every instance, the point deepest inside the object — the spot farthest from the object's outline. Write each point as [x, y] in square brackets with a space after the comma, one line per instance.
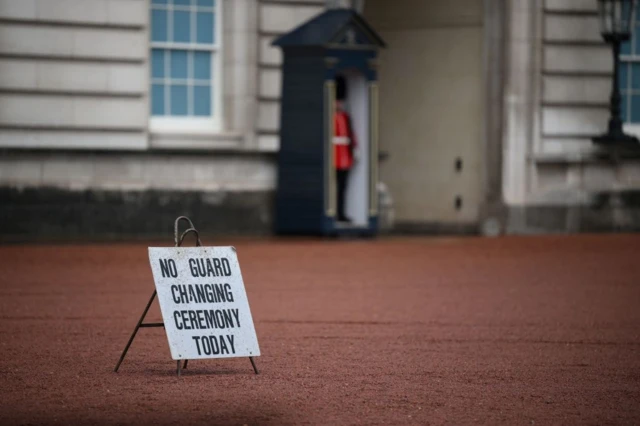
[141, 324]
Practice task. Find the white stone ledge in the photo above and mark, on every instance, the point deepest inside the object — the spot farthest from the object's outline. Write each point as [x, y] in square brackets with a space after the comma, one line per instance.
[196, 142]
[571, 5]
[576, 89]
[572, 28]
[555, 187]
[564, 158]
[138, 172]
[585, 157]
[269, 143]
[72, 76]
[88, 12]
[77, 140]
[583, 59]
[94, 43]
[573, 121]
[73, 111]
[566, 147]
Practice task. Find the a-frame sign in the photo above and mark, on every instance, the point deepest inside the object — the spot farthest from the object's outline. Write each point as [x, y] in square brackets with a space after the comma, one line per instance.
[203, 302]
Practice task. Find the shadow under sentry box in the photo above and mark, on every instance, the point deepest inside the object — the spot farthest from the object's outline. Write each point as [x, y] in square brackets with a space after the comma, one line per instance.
[204, 305]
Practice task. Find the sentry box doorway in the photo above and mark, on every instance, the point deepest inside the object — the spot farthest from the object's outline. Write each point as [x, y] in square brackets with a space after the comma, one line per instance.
[334, 47]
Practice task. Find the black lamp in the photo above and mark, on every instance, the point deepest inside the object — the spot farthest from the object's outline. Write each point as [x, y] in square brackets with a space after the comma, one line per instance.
[616, 21]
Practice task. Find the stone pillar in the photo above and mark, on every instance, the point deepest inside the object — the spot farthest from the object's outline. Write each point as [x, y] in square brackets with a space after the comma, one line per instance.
[240, 67]
[519, 98]
[493, 216]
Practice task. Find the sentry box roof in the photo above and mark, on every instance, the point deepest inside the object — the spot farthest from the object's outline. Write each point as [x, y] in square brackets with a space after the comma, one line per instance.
[333, 27]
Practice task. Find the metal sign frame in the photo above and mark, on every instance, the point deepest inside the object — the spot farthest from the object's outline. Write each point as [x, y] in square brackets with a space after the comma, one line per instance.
[141, 324]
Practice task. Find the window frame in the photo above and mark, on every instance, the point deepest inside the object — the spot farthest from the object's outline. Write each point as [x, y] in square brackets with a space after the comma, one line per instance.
[625, 87]
[190, 124]
[625, 90]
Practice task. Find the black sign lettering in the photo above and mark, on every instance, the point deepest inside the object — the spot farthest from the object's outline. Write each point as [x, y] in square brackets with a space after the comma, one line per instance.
[220, 294]
[192, 268]
[197, 340]
[185, 319]
[226, 267]
[176, 298]
[216, 263]
[193, 318]
[215, 348]
[236, 313]
[183, 294]
[176, 318]
[223, 346]
[220, 319]
[168, 268]
[201, 321]
[208, 291]
[210, 269]
[206, 345]
[213, 267]
[228, 293]
[231, 337]
[210, 318]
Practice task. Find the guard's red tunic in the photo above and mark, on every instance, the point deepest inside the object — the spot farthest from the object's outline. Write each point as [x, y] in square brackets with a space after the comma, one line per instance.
[344, 141]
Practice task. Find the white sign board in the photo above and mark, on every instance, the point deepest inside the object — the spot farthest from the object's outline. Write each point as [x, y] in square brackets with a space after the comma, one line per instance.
[203, 302]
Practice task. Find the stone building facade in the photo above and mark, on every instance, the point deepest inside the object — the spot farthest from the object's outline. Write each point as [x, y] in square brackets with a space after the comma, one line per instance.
[556, 98]
[118, 115]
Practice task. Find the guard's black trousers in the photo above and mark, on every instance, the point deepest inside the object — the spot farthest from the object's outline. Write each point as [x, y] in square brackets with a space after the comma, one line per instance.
[342, 192]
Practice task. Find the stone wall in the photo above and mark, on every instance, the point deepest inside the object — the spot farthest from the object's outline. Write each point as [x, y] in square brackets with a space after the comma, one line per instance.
[556, 99]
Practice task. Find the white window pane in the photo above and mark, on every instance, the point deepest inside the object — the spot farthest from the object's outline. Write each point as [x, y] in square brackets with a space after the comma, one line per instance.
[178, 99]
[205, 27]
[159, 25]
[202, 65]
[181, 26]
[157, 99]
[202, 100]
[179, 64]
[157, 63]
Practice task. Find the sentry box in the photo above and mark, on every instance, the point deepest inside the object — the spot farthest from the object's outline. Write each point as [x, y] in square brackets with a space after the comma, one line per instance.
[328, 159]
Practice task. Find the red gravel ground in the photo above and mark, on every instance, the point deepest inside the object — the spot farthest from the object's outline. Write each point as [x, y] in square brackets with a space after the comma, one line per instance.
[535, 330]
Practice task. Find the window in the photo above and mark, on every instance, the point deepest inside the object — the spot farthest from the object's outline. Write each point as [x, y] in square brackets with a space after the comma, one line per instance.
[629, 74]
[185, 56]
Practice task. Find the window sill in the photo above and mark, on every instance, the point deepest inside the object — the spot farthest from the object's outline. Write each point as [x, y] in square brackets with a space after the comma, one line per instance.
[195, 140]
[564, 158]
[597, 156]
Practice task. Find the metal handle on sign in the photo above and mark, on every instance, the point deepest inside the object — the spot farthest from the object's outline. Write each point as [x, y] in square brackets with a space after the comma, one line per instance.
[191, 228]
[184, 234]
[177, 225]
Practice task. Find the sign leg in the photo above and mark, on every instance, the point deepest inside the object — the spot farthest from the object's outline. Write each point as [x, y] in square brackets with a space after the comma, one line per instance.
[135, 330]
[185, 363]
[178, 369]
[254, 365]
